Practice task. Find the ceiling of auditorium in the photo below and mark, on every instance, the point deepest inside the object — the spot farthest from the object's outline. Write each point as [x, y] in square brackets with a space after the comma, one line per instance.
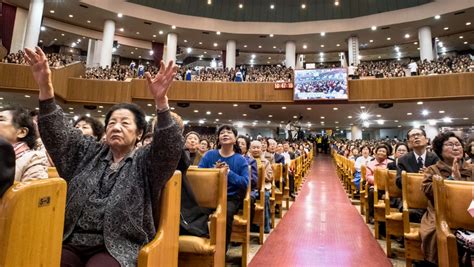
[320, 116]
[279, 10]
[449, 28]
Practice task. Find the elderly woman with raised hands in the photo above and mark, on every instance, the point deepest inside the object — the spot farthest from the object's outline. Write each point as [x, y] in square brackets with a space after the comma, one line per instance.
[112, 187]
[449, 148]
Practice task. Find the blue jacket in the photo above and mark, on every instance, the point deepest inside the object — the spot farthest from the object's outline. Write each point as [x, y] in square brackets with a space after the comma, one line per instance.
[238, 177]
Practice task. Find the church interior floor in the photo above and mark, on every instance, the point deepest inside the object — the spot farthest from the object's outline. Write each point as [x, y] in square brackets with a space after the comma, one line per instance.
[322, 228]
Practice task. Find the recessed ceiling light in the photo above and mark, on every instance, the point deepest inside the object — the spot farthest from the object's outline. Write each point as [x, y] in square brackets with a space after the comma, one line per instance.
[446, 28]
[303, 6]
[407, 36]
[295, 117]
[323, 34]
[173, 27]
[349, 117]
[136, 48]
[236, 105]
[425, 112]
[336, 3]
[335, 108]
[121, 29]
[388, 38]
[373, 28]
[447, 120]
[419, 103]
[241, 6]
[322, 117]
[465, 42]
[51, 11]
[338, 45]
[283, 107]
[336, 122]
[245, 46]
[371, 40]
[272, 6]
[259, 46]
[154, 36]
[245, 115]
[62, 34]
[218, 33]
[196, 111]
[399, 126]
[274, 47]
[271, 35]
[71, 15]
[88, 21]
[43, 28]
[149, 105]
[409, 113]
[160, 32]
[270, 116]
[322, 46]
[460, 37]
[465, 119]
[131, 53]
[415, 43]
[138, 33]
[441, 111]
[437, 17]
[119, 15]
[378, 115]
[215, 44]
[395, 120]
[55, 39]
[27, 96]
[362, 107]
[308, 108]
[200, 43]
[468, 23]
[305, 46]
[208, 113]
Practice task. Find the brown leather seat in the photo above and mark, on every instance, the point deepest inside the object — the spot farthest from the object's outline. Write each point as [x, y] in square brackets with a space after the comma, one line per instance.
[163, 249]
[452, 198]
[413, 198]
[32, 222]
[210, 189]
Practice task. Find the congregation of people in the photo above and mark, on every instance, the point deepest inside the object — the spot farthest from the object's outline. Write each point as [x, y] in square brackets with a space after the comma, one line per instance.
[55, 60]
[447, 155]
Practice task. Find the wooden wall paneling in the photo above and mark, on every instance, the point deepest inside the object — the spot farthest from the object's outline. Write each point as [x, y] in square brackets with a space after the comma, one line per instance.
[98, 91]
[60, 77]
[14, 76]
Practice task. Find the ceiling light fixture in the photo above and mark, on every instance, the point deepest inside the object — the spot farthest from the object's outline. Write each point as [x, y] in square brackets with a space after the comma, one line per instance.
[218, 33]
[407, 36]
[121, 29]
[323, 34]
[388, 38]
[303, 6]
[88, 21]
[437, 17]
[373, 28]
[241, 6]
[305, 46]
[468, 23]
[71, 15]
[446, 28]
[173, 27]
[119, 15]
[272, 6]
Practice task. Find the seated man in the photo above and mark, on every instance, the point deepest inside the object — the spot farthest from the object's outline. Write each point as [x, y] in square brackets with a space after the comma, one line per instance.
[7, 166]
[257, 153]
[17, 128]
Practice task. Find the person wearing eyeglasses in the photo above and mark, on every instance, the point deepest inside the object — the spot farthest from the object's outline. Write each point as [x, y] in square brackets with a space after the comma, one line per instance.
[451, 166]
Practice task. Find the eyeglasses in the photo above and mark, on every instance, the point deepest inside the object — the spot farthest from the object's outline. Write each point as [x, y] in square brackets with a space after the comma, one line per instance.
[411, 136]
[452, 145]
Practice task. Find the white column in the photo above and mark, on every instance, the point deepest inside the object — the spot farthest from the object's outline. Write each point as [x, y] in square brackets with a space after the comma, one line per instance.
[19, 30]
[353, 45]
[230, 54]
[94, 48]
[33, 25]
[107, 43]
[300, 62]
[426, 47]
[342, 59]
[290, 54]
[356, 132]
[431, 131]
[171, 46]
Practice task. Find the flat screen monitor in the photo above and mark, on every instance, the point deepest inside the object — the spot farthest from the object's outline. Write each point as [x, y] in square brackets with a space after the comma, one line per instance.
[320, 84]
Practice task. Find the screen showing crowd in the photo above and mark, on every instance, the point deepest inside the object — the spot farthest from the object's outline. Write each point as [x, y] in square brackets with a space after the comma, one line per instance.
[320, 84]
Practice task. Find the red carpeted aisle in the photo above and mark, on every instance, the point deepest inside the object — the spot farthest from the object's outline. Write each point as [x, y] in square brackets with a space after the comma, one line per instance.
[322, 228]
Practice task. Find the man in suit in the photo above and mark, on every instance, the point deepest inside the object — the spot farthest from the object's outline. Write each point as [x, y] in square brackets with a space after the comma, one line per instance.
[415, 161]
[272, 145]
[7, 166]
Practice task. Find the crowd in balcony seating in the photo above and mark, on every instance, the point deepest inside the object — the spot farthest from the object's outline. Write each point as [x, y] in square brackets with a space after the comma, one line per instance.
[55, 60]
[119, 72]
[396, 68]
[240, 74]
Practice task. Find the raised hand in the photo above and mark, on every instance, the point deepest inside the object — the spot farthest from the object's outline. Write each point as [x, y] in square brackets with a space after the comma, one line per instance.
[41, 72]
[160, 84]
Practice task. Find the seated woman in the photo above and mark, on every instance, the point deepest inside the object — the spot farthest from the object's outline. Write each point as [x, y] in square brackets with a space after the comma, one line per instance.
[90, 126]
[362, 160]
[244, 145]
[192, 144]
[400, 150]
[203, 146]
[111, 185]
[17, 128]
[449, 148]
[227, 155]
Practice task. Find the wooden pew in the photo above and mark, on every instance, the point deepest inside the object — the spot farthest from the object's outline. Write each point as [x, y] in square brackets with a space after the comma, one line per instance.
[163, 249]
[452, 198]
[241, 224]
[259, 216]
[53, 172]
[413, 198]
[32, 222]
[380, 178]
[393, 217]
[210, 189]
[277, 192]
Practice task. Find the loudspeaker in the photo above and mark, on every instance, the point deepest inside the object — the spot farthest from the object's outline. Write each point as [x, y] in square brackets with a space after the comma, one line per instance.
[385, 105]
[237, 52]
[255, 106]
[90, 107]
